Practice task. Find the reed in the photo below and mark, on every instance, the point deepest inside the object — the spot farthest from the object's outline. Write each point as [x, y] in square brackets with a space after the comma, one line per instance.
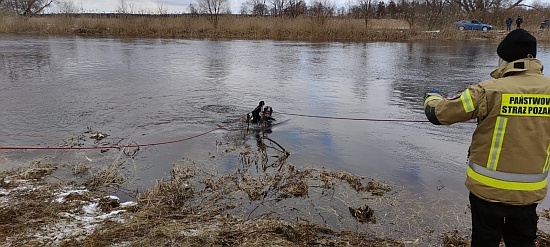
[242, 27]
[196, 208]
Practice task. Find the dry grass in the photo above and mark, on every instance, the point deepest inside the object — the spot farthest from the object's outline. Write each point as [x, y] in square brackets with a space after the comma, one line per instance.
[187, 26]
[38, 170]
[264, 201]
[106, 176]
[194, 208]
[114, 174]
[193, 27]
[79, 169]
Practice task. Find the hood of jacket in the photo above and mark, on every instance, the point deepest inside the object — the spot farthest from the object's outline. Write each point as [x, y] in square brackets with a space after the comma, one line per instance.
[526, 65]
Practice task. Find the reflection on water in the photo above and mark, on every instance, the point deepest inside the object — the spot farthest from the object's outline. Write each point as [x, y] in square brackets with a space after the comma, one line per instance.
[157, 90]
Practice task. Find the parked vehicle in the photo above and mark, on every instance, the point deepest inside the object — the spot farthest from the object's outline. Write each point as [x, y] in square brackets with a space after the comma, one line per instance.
[472, 25]
[545, 24]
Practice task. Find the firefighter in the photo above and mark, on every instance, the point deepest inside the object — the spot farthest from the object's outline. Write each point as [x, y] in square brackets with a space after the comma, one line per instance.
[509, 155]
[256, 118]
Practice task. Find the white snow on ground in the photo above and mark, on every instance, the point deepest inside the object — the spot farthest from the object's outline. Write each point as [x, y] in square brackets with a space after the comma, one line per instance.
[128, 204]
[78, 225]
[21, 185]
[3, 195]
[61, 197]
[91, 208]
[75, 224]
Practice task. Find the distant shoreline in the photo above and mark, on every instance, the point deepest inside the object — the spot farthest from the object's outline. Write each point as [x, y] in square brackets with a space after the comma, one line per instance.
[238, 27]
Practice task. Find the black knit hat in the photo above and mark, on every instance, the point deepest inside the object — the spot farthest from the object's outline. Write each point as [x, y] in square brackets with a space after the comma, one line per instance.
[517, 45]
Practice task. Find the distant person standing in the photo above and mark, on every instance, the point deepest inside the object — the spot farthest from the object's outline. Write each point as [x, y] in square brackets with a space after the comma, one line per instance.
[509, 24]
[519, 21]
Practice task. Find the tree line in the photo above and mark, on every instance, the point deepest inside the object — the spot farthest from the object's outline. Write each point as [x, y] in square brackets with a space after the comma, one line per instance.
[25, 7]
[428, 14]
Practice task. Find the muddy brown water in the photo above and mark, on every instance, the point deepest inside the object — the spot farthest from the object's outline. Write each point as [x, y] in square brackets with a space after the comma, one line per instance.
[164, 91]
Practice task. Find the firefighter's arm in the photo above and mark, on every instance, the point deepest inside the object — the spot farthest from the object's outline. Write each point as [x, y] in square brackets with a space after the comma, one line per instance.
[432, 95]
[462, 107]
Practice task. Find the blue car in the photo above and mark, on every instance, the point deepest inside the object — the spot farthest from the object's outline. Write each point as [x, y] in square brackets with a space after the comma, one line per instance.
[472, 25]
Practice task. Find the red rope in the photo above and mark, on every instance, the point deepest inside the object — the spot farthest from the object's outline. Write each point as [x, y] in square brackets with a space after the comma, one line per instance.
[119, 147]
[201, 134]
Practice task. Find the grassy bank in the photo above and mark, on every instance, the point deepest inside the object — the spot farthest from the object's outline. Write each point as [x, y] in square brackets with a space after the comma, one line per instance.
[192, 208]
[264, 201]
[189, 208]
[242, 27]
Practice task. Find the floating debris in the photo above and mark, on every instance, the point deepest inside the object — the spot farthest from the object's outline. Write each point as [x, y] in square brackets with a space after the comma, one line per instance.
[98, 136]
[363, 214]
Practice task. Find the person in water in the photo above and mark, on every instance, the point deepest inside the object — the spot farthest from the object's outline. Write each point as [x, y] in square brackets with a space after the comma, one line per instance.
[256, 118]
[266, 114]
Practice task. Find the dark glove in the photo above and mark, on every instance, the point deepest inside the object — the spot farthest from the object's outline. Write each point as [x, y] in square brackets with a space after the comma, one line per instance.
[431, 92]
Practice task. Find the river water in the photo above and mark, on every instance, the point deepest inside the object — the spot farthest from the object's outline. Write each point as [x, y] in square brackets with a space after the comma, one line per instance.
[153, 91]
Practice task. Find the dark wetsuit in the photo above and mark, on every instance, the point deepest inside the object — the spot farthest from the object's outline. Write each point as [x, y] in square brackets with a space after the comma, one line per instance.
[256, 114]
[519, 21]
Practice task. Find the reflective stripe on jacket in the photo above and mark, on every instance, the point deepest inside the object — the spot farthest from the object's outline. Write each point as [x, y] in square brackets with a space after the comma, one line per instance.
[510, 149]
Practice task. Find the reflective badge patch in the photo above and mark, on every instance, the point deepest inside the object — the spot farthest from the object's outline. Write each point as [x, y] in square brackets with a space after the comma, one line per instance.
[528, 105]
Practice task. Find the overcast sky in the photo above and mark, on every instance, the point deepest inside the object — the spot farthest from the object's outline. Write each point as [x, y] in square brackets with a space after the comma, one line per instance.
[174, 6]
[148, 6]
[152, 6]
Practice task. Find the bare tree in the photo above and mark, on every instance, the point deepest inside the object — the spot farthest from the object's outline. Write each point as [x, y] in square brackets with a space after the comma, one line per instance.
[296, 8]
[473, 6]
[161, 9]
[392, 9]
[125, 7]
[193, 9]
[381, 10]
[366, 8]
[434, 10]
[321, 11]
[68, 7]
[409, 11]
[278, 7]
[213, 9]
[341, 11]
[255, 7]
[260, 8]
[244, 9]
[26, 7]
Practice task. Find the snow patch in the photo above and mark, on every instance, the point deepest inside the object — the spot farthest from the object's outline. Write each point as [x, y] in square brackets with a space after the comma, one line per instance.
[61, 197]
[91, 208]
[4, 195]
[4, 192]
[77, 226]
[128, 204]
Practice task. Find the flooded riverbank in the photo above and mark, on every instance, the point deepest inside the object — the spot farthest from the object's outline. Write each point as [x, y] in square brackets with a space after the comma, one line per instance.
[140, 106]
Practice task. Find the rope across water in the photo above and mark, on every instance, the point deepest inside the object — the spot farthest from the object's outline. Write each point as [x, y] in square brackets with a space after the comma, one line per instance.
[194, 136]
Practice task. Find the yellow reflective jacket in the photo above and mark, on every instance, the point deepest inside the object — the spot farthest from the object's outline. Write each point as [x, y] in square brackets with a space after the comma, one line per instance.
[510, 149]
